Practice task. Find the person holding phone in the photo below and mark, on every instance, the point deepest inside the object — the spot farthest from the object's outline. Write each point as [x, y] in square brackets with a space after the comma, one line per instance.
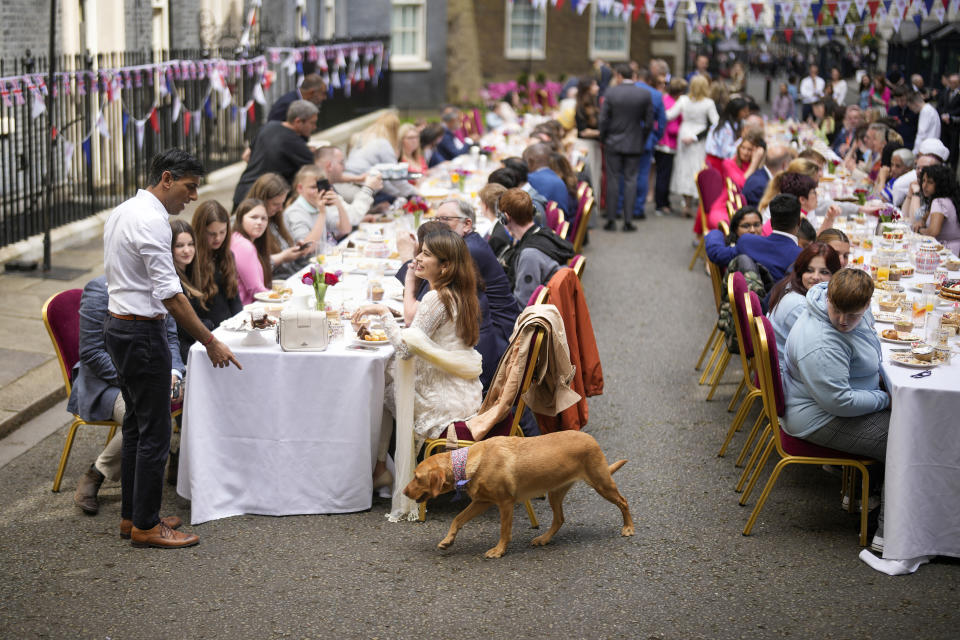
[317, 215]
[287, 256]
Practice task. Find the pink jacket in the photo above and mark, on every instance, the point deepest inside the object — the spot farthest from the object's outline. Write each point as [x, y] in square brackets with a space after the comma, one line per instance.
[669, 138]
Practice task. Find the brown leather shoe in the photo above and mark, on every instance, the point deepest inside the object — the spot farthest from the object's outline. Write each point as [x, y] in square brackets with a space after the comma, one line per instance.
[88, 487]
[126, 526]
[162, 537]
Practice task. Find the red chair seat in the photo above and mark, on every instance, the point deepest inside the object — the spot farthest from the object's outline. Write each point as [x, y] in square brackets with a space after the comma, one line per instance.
[799, 447]
[502, 428]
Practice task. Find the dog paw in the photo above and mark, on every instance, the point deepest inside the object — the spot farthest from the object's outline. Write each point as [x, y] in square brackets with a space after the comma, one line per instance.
[496, 552]
[627, 531]
[445, 543]
[539, 541]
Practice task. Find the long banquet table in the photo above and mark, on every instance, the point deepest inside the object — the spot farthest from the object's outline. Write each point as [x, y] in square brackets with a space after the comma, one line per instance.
[293, 433]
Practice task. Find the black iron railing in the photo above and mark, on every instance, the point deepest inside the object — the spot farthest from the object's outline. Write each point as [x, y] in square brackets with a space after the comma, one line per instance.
[112, 113]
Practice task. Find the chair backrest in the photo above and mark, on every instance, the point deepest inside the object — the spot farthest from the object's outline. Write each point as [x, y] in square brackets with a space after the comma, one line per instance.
[582, 223]
[581, 189]
[61, 317]
[709, 187]
[717, 281]
[540, 295]
[736, 294]
[768, 369]
[552, 214]
[564, 229]
[724, 227]
[536, 344]
[577, 263]
[478, 121]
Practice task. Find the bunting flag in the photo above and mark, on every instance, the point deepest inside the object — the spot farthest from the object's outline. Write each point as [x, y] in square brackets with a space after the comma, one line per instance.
[917, 20]
[208, 106]
[85, 147]
[5, 94]
[768, 34]
[258, 94]
[873, 28]
[829, 32]
[690, 24]
[843, 8]
[861, 7]
[788, 34]
[895, 21]
[700, 5]
[140, 127]
[187, 116]
[850, 29]
[154, 118]
[124, 121]
[102, 126]
[808, 33]
[196, 121]
[670, 6]
[68, 149]
[757, 8]
[815, 8]
[940, 13]
[176, 108]
[243, 120]
[38, 106]
[929, 5]
[872, 6]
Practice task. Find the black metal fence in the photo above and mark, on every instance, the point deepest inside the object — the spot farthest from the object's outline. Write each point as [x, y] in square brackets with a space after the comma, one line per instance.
[112, 113]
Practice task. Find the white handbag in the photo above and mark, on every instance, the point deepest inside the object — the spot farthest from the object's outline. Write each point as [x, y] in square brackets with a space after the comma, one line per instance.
[303, 330]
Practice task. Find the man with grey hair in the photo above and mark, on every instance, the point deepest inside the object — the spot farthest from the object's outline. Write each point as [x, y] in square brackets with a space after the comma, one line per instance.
[777, 158]
[901, 161]
[931, 151]
[280, 147]
[498, 307]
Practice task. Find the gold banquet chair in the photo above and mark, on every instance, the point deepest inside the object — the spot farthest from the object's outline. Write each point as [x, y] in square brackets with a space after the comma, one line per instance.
[743, 306]
[583, 221]
[791, 450]
[510, 425]
[714, 344]
[61, 317]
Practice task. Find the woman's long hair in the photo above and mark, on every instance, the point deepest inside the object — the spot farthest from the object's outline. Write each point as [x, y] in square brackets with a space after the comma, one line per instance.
[457, 284]
[798, 165]
[386, 127]
[186, 276]
[738, 216]
[793, 281]
[208, 262]
[730, 114]
[263, 254]
[267, 187]
[559, 164]
[945, 185]
[405, 129]
[587, 102]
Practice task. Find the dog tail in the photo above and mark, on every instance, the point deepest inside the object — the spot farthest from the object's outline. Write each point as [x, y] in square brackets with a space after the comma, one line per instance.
[616, 465]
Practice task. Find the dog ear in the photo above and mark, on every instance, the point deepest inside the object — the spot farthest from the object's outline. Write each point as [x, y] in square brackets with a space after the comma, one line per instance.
[435, 482]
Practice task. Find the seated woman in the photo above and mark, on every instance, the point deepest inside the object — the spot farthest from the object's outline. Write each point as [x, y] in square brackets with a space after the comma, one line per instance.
[379, 144]
[839, 241]
[213, 271]
[815, 264]
[448, 316]
[833, 383]
[410, 148]
[747, 160]
[183, 246]
[249, 247]
[317, 216]
[286, 256]
[722, 249]
[941, 195]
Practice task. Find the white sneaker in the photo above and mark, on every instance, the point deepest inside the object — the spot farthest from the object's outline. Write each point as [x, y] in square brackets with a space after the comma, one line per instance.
[877, 544]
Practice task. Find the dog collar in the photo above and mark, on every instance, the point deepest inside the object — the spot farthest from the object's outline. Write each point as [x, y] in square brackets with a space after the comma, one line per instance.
[458, 460]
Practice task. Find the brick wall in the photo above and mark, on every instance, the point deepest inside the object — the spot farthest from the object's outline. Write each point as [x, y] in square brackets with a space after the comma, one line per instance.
[184, 24]
[138, 25]
[24, 24]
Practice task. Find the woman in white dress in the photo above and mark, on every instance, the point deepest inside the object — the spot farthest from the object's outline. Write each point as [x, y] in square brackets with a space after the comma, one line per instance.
[449, 316]
[699, 114]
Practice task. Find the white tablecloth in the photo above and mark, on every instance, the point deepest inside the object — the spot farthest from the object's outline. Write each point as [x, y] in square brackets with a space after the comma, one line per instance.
[292, 433]
[922, 482]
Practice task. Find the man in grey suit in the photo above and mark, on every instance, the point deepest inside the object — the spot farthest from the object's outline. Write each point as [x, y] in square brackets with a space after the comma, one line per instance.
[95, 393]
[626, 119]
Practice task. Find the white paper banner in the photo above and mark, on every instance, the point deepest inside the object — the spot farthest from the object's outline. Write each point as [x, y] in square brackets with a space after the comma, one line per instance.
[843, 7]
[671, 8]
[176, 107]
[68, 148]
[850, 28]
[808, 33]
[861, 5]
[102, 125]
[940, 13]
[258, 94]
[139, 127]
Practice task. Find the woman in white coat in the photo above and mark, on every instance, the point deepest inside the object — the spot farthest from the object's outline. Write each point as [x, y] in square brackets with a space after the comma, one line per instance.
[699, 114]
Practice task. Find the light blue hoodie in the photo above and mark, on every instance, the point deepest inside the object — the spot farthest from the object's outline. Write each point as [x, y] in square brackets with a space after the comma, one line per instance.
[828, 373]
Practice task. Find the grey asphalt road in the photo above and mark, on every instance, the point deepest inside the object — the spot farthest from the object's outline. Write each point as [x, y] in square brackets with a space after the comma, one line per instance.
[688, 572]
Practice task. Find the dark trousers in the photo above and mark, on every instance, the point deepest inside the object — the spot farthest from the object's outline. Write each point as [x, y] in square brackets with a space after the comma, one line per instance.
[140, 352]
[661, 193]
[621, 167]
[643, 186]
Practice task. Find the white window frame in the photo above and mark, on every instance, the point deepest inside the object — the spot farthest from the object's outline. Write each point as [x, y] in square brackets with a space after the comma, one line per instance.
[614, 56]
[417, 62]
[329, 19]
[533, 53]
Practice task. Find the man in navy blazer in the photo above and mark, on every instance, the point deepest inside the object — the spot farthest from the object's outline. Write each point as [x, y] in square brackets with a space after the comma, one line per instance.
[778, 250]
[659, 128]
[777, 158]
[95, 393]
[312, 89]
[450, 146]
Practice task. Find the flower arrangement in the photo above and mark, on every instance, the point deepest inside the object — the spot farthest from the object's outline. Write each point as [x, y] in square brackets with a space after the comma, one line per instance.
[458, 178]
[861, 194]
[888, 213]
[416, 206]
[320, 280]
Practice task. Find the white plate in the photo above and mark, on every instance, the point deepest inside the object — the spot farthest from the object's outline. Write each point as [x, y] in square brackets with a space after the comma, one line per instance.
[264, 296]
[885, 316]
[907, 360]
[370, 343]
[901, 342]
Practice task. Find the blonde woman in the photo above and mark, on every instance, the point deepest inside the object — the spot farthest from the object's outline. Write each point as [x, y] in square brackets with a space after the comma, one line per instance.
[699, 113]
[380, 144]
[409, 136]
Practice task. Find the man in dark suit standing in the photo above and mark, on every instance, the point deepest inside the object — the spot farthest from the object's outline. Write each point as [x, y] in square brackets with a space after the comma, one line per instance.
[950, 114]
[312, 89]
[626, 120]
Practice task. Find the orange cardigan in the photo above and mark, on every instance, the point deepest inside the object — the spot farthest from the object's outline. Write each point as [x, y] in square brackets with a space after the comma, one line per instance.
[566, 293]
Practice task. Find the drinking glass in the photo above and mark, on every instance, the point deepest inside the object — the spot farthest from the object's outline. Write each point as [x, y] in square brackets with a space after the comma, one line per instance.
[883, 269]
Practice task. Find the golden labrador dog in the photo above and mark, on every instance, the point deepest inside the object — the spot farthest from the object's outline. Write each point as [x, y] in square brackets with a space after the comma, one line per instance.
[505, 470]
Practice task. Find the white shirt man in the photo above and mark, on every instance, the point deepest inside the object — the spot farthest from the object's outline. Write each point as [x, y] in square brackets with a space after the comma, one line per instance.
[931, 151]
[928, 125]
[811, 87]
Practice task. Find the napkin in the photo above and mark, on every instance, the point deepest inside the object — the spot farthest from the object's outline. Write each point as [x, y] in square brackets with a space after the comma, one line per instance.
[893, 567]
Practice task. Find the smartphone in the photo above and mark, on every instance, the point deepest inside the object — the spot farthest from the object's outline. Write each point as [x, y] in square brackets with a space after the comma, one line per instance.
[304, 245]
[324, 185]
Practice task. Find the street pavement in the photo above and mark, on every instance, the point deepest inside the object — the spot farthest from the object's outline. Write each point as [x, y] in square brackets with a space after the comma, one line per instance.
[687, 573]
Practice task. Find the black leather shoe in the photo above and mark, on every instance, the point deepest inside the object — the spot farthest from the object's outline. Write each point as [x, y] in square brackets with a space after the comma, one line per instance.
[610, 226]
[629, 226]
[85, 496]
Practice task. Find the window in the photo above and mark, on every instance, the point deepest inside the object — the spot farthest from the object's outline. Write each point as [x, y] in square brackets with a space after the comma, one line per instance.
[408, 36]
[329, 19]
[526, 30]
[609, 36]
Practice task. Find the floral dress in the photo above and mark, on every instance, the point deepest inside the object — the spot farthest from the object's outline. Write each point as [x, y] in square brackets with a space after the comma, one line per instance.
[439, 397]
